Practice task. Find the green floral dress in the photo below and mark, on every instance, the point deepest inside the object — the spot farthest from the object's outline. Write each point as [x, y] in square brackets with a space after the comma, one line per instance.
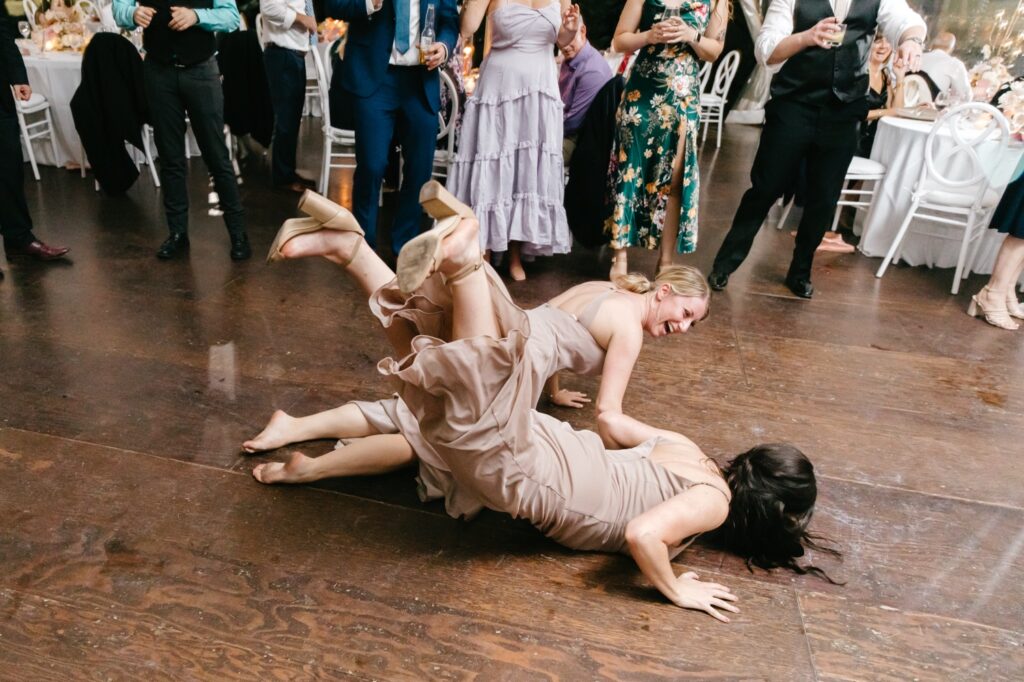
[663, 92]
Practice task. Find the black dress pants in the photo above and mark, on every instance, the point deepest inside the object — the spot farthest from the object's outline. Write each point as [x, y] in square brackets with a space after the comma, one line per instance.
[824, 138]
[15, 221]
[196, 90]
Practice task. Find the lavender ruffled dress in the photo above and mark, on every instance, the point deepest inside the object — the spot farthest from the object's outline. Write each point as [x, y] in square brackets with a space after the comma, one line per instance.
[509, 162]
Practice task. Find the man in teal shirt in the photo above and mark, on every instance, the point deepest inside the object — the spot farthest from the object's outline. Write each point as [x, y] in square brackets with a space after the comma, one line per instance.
[182, 78]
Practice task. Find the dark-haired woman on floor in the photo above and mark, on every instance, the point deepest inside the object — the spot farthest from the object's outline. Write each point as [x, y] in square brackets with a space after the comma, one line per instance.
[470, 396]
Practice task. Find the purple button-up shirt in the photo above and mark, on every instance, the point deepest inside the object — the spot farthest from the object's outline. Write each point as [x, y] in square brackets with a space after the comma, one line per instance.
[579, 81]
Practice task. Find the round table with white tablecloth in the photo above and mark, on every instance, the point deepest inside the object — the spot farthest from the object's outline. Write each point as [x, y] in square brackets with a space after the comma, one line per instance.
[56, 76]
[900, 146]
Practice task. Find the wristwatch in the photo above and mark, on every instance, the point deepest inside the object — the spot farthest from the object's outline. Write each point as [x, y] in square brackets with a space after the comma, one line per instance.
[913, 39]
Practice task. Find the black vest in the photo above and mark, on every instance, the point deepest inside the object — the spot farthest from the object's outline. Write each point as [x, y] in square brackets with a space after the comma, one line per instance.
[816, 75]
[187, 47]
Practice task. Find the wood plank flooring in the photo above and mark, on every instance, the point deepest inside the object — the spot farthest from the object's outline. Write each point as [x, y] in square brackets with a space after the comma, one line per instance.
[137, 546]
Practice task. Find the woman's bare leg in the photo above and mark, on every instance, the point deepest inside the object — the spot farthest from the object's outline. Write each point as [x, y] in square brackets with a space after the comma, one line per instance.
[515, 261]
[366, 269]
[377, 454]
[620, 264]
[346, 421]
[670, 230]
[472, 309]
[1005, 272]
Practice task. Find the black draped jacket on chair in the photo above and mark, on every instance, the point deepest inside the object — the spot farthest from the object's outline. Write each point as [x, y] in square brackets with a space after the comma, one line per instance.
[109, 108]
[588, 170]
[247, 107]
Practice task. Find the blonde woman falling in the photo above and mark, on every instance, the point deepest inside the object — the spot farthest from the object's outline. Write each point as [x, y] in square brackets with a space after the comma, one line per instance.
[470, 399]
[593, 328]
[655, 179]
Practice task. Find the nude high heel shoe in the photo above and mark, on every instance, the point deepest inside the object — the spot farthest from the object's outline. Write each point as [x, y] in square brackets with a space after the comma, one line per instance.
[422, 255]
[324, 215]
[440, 203]
[997, 317]
[1013, 305]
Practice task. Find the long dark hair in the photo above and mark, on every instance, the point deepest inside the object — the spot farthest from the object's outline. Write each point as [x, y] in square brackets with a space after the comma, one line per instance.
[773, 494]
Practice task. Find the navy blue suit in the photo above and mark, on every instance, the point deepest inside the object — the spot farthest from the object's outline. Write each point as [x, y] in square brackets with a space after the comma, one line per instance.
[384, 96]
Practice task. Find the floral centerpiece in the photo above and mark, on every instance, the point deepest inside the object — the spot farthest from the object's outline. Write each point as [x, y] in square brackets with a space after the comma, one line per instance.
[988, 76]
[1011, 103]
[63, 27]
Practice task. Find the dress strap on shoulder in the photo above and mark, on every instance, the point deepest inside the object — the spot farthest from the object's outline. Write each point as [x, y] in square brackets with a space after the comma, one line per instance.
[710, 485]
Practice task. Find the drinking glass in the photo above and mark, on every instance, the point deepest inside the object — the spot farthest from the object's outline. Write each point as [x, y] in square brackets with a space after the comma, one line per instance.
[835, 39]
[24, 29]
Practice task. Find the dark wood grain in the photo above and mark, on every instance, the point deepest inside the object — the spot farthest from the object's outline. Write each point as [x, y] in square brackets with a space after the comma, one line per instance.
[285, 578]
[856, 641]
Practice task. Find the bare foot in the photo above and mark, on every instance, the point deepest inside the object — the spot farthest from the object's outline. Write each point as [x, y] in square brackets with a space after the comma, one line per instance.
[277, 433]
[461, 247]
[516, 271]
[298, 469]
[333, 245]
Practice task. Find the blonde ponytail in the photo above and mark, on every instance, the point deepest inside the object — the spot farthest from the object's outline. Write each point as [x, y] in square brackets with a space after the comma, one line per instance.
[634, 282]
[685, 280]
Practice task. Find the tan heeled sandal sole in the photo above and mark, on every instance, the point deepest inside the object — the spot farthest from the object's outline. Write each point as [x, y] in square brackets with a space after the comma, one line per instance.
[325, 215]
[421, 256]
[996, 318]
[439, 203]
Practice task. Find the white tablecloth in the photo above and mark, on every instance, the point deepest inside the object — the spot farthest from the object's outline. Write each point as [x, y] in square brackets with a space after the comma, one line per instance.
[900, 146]
[56, 76]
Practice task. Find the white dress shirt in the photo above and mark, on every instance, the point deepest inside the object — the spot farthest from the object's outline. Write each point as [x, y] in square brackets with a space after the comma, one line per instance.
[410, 57]
[278, 17]
[894, 18]
[948, 73]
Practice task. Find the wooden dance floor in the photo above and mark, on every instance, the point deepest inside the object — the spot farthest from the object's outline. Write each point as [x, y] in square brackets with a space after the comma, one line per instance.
[135, 544]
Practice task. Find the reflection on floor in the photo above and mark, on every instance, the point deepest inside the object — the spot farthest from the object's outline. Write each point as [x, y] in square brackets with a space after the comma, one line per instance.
[136, 544]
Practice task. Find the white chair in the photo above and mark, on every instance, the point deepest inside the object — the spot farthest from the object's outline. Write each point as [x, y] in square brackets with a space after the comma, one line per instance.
[312, 86]
[443, 158]
[916, 91]
[147, 156]
[88, 9]
[346, 139]
[704, 75]
[962, 197]
[861, 170]
[147, 152]
[867, 173]
[30, 8]
[712, 104]
[43, 127]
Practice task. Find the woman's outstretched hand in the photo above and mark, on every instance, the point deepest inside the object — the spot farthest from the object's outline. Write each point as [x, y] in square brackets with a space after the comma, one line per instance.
[706, 597]
[566, 398]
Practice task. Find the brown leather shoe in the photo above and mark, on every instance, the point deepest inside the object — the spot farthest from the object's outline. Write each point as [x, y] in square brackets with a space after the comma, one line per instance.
[38, 250]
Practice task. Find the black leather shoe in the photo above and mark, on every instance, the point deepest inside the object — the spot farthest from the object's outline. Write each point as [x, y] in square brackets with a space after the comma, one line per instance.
[240, 249]
[176, 245]
[718, 280]
[801, 286]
